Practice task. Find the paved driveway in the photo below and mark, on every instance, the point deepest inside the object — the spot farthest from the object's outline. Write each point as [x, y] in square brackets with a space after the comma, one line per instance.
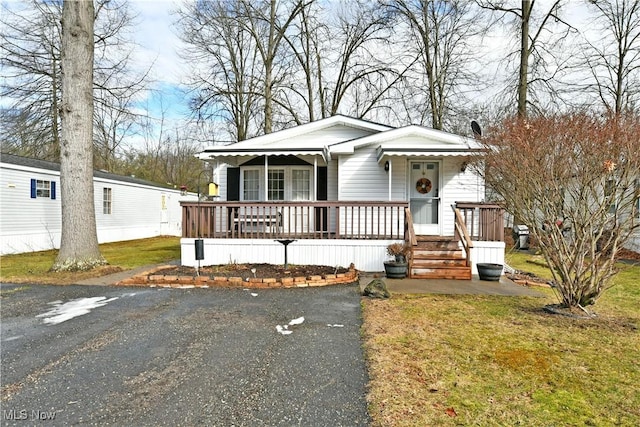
[215, 357]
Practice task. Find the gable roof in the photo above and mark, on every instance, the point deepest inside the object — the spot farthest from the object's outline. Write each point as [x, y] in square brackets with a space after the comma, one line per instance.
[343, 135]
[309, 138]
[411, 140]
[29, 162]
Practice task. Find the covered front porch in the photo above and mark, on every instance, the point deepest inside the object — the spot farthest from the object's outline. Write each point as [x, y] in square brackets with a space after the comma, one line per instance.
[327, 232]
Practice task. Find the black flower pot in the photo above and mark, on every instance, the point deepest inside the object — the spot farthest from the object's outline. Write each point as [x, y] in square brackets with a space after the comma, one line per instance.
[488, 271]
[395, 270]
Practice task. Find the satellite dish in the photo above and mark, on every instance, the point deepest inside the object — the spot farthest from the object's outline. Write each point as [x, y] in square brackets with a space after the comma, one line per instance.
[477, 132]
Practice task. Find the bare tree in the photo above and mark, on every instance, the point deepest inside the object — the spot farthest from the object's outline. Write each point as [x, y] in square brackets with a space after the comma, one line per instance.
[440, 35]
[574, 181]
[79, 248]
[225, 79]
[538, 43]
[30, 46]
[267, 23]
[614, 59]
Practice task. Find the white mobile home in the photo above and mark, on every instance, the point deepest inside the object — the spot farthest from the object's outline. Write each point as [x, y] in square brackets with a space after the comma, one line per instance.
[126, 208]
[340, 190]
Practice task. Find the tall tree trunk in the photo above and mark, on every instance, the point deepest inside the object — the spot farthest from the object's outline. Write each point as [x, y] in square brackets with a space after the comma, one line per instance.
[79, 248]
[523, 76]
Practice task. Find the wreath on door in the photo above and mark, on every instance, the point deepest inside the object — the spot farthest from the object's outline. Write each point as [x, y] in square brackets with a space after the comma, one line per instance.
[423, 186]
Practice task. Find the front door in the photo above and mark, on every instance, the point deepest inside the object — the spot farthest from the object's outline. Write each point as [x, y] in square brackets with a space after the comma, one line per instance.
[424, 196]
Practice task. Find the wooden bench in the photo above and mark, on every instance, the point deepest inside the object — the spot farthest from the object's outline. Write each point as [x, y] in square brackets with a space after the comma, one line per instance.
[268, 222]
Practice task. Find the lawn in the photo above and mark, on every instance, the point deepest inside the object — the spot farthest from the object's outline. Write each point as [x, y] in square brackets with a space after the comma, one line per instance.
[496, 361]
[34, 267]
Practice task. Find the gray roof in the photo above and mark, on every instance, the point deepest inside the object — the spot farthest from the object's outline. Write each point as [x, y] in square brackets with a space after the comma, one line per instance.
[53, 166]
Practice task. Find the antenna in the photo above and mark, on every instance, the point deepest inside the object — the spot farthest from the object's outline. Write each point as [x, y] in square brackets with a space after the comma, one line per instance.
[475, 127]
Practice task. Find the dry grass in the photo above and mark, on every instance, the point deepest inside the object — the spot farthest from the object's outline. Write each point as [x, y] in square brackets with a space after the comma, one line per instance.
[496, 361]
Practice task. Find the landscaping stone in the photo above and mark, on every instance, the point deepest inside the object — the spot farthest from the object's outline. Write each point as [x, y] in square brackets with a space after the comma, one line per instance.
[377, 288]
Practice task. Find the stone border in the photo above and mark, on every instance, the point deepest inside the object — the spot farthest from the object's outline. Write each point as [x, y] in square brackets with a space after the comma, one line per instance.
[149, 279]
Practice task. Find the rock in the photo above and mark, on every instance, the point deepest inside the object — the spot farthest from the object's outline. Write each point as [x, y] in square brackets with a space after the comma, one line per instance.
[376, 289]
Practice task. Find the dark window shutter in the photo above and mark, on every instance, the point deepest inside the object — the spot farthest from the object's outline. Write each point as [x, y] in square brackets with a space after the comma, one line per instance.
[33, 188]
[321, 185]
[53, 190]
[233, 184]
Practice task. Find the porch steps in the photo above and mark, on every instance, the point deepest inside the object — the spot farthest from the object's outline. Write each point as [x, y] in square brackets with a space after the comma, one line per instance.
[437, 257]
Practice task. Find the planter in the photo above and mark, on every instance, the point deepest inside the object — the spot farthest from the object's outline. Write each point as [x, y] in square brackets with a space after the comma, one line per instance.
[395, 270]
[488, 271]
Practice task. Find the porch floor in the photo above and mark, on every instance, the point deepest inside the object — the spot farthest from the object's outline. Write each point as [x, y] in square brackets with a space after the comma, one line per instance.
[475, 286]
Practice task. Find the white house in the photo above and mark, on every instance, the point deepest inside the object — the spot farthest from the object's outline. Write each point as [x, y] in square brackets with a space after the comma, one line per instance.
[341, 190]
[126, 208]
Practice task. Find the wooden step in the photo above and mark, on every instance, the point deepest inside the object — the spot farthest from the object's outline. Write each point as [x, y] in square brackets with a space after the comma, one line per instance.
[436, 254]
[459, 273]
[431, 263]
[437, 257]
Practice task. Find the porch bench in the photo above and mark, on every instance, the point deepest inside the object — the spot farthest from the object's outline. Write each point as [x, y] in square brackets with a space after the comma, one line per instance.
[270, 222]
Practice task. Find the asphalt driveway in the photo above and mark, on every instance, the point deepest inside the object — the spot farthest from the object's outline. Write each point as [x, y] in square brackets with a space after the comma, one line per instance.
[215, 357]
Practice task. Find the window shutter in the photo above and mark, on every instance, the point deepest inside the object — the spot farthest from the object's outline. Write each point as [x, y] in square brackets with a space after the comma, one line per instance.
[233, 184]
[321, 185]
[33, 188]
[53, 190]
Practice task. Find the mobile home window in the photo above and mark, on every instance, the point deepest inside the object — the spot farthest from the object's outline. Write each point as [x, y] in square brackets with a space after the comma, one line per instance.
[43, 188]
[106, 201]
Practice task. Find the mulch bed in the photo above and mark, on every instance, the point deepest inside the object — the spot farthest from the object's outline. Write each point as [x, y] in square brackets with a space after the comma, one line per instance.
[250, 271]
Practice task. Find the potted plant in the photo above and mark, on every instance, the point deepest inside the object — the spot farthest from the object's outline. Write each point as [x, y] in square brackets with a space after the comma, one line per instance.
[397, 267]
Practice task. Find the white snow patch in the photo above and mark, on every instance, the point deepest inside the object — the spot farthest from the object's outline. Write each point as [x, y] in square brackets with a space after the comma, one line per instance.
[74, 308]
[297, 321]
[335, 325]
[253, 294]
[284, 329]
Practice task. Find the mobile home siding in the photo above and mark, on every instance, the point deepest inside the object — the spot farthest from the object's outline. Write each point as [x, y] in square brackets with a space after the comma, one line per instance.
[28, 225]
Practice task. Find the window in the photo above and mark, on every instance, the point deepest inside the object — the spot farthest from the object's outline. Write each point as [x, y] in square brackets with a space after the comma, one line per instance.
[300, 184]
[106, 201]
[276, 184]
[283, 183]
[251, 180]
[43, 189]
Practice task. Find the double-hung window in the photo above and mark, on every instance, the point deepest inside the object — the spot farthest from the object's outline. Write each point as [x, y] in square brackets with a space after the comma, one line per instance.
[41, 188]
[106, 201]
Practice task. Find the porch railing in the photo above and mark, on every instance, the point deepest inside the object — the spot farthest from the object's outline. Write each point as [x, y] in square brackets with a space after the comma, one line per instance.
[483, 221]
[294, 220]
[462, 234]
